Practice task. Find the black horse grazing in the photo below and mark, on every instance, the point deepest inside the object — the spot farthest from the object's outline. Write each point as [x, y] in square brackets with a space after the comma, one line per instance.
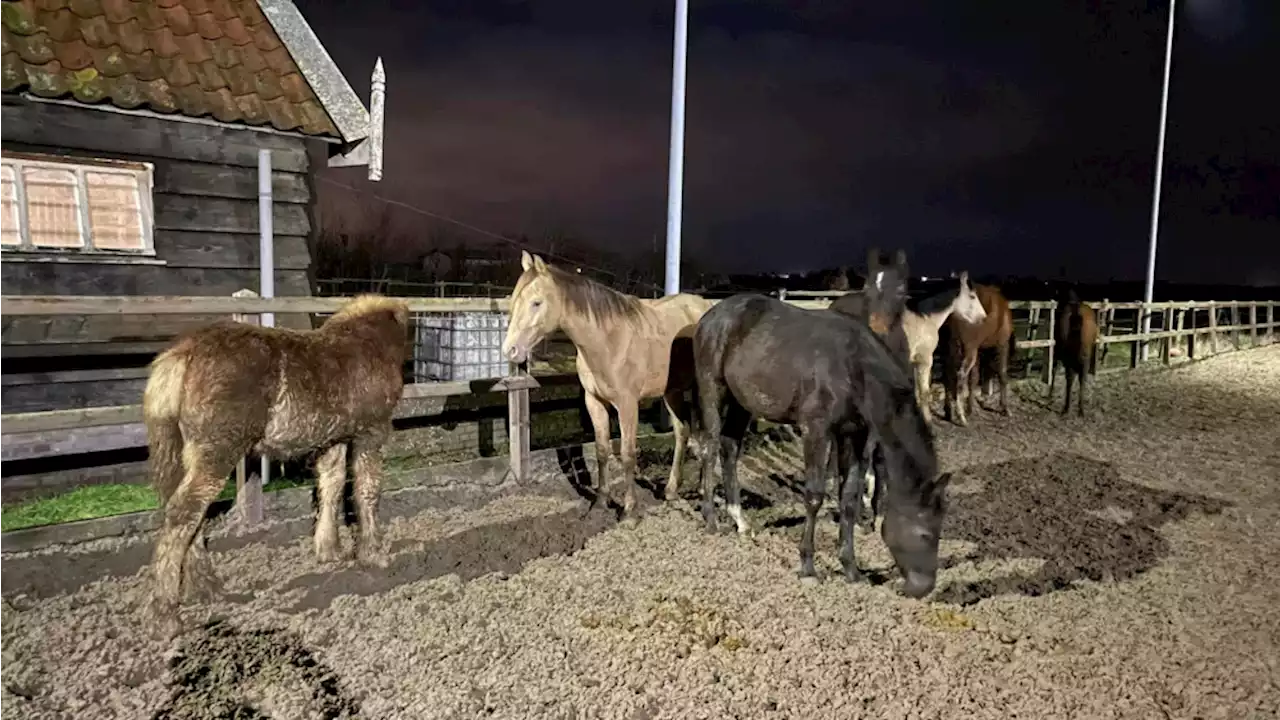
[832, 376]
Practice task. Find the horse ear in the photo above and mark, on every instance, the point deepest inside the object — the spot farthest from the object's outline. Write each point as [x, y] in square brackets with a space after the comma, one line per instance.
[539, 264]
[900, 258]
[964, 277]
[873, 259]
[526, 260]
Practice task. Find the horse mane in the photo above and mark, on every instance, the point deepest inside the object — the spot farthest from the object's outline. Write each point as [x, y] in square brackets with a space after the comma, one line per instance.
[936, 301]
[371, 304]
[588, 297]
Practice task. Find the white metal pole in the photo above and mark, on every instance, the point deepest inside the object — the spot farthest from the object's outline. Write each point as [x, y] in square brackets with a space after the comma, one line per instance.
[1149, 291]
[266, 256]
[675, 176]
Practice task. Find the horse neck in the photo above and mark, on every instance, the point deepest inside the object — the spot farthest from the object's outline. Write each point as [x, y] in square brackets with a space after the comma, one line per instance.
[594, 340]
[934, 320]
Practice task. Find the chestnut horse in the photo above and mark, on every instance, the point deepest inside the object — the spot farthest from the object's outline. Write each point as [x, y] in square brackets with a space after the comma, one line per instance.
[625, 348]
[1075, 345]
[230, 388]
[965, 339]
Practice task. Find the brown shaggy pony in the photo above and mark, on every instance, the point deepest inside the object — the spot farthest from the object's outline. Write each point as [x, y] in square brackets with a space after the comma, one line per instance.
[231, 388]
[966, 339]
[1075, 345]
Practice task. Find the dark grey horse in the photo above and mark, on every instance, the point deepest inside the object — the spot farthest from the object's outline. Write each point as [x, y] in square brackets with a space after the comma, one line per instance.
[837, 380]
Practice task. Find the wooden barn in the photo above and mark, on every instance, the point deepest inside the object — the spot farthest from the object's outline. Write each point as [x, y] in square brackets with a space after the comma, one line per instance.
[131, 134]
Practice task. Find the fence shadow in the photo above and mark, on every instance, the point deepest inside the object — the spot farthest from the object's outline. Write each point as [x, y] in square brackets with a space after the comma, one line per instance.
[1075, 513]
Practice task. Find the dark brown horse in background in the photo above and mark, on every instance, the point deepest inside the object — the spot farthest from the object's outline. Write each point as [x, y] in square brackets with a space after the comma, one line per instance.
[965, 339]
[1075, 345]
[880, 304]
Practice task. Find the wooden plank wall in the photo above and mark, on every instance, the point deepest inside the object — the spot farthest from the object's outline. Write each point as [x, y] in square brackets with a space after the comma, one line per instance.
[206, 238]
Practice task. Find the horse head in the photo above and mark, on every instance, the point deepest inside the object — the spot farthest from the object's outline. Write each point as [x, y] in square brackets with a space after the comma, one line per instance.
[536, 307]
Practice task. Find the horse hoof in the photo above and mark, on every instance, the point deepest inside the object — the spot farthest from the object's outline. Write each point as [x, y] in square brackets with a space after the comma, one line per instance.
[328, 555]
[165, 622]
[373, 558]
[202, 590]
[854, 576]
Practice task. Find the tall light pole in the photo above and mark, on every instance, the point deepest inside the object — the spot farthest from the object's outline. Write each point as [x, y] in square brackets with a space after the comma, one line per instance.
[1149, 292]
[675, 171]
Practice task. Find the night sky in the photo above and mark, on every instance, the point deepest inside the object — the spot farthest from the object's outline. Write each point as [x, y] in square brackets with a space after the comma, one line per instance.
[1010, 138]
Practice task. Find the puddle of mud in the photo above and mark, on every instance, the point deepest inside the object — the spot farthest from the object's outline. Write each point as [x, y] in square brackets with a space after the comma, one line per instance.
[1077, 514]
[224, 672]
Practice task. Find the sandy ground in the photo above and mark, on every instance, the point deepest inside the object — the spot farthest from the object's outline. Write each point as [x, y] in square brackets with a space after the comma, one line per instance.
[1117, 566]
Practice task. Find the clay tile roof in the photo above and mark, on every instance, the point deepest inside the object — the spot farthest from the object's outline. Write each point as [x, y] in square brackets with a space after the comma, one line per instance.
[219, 59]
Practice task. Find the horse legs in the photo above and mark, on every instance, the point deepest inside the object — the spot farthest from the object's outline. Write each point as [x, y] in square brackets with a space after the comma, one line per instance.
[1002, 365]
[964, 386]
[368, 488]
[817, 447]
[872, 477]
[924, 375]
[735, 428]
[710, 397]
[599, 413]
[331, 471]
[1066, 406]
[628, 422]
[199, 581]
[1053, 373]
[1083, 373]
[680, 412]
[183, 515]
[852, 484]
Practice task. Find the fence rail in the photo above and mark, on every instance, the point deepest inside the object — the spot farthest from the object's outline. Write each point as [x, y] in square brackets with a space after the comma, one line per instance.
[1177, 320]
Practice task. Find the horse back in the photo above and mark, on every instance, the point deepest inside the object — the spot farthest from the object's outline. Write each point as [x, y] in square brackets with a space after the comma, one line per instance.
[291, 389]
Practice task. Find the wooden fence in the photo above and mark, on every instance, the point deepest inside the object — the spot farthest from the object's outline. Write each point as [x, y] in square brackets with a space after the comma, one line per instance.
[1171, 323]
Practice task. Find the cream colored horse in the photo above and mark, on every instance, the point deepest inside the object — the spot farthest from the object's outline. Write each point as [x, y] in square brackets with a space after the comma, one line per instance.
[624, 346]
[921, 322]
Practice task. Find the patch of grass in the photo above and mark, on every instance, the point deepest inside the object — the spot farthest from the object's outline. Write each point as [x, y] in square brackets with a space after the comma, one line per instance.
[98, 501]
[85, 503]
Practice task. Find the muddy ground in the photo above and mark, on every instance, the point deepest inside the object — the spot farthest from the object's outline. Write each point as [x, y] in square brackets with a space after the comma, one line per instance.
[1118, 566]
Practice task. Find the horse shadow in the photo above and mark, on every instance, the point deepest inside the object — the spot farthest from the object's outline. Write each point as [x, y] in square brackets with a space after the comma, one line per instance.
[1074, 513]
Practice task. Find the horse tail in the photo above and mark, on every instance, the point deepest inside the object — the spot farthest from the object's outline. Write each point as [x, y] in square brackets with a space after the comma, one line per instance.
[161, 409]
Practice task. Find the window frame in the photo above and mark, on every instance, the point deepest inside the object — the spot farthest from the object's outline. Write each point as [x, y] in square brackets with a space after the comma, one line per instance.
[143, 172]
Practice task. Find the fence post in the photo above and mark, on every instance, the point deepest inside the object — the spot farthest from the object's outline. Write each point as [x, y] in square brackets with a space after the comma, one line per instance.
[1253, 324]
[249, 499]
[1271, 322]
[1138, 348]
[1235, 325]
[1191, 338]
[1213, 327]
[1053, 329]
[517, 387]
[1109, 316]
